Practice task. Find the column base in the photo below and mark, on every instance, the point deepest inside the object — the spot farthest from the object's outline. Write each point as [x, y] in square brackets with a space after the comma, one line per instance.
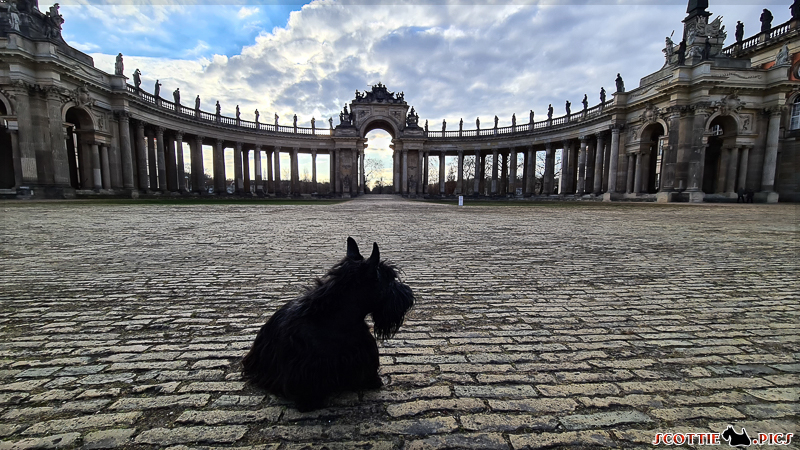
[765, 197]
[695, 196]
[612, 196]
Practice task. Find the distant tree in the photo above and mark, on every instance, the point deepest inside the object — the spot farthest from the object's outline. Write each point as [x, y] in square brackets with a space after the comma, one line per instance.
[372, 170]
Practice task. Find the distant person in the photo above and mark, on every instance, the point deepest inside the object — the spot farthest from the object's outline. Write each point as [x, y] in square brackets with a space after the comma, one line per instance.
[741, 193]
[750, 195]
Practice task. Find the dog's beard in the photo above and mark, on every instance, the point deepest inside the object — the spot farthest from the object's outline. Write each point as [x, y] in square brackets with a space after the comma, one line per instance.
[388, 319]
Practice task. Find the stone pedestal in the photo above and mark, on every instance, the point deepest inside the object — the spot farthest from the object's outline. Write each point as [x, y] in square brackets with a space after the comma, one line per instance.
[765, 197]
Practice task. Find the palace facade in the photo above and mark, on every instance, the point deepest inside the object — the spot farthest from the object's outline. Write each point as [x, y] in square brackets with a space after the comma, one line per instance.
[714, 120]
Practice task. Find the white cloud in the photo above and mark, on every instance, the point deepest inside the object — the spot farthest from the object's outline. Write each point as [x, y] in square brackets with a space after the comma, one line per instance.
[246, 11]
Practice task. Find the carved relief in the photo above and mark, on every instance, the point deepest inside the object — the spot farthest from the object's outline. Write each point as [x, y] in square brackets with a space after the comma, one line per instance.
[729, 104]
[650, 114]
[82, 98]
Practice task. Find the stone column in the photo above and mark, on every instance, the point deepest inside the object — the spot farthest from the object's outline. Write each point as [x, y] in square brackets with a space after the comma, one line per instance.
[564, 168]
[425, 168]
[495, 164]
[743, 168]
[238, 175]
[530, 172]
[477, 182]
[151, 156]
[276, 157]
[722, 176]
[404, 180]
[771, 155]
[29, 167]
[259, 177]
[420, 172]
[502, 185]
[441, 173]
[613, 160]
[363, 177]
[629, 180]
[105, 168]
[637, 180]
[669, 158]
[295, 172]
[684, 152]
[645, 184]
[581, 187]
[314, 170]
[512, 172]
[548, 183]
[731, 179]
[141, 157]
[198, 174]
[590, 160]
[170, 164]
[97, 175]
[333, 162]
[598, 164]
[270, 177]
[58, 151]
[162, 161]
[123, 119]
[246, 171]
[697, 159]
[180, 163]
[220, 184]
[460, 179]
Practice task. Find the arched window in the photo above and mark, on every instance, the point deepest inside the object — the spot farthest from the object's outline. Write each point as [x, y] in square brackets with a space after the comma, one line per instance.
[795, 122]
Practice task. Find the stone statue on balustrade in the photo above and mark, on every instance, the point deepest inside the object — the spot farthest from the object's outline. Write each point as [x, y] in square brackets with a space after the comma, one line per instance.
[276, 120]
[478, 123]
[426, 125]
[444, 126]
[176, 95]
[197, 103]
[157, 90]
[13, 17]
[620, 83]
[496, 120]
[119, 67]
[137, 79]
[669, 49]
[330, 122]
[739, 31]
[257, 115]
[218, 109]
[602, 95]
[531, 117]
[461, 124]
[53, 22]
[238, 114]
[568, 107]
[295, 121]
[766, 20]
[313, 123]
[514, 119]
[585, 102]
[550, 111]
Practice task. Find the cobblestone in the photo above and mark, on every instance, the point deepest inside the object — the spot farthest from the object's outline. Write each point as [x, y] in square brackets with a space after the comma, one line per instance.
[122, 325]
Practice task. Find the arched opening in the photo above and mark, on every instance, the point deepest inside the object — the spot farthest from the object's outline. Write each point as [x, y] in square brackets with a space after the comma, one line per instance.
[652, 143]
[722, 135]
[379, 160]
[7, 180]
[79, 138]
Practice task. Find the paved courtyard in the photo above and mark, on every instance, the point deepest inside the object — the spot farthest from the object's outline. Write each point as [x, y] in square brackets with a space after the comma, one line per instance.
[557, 325]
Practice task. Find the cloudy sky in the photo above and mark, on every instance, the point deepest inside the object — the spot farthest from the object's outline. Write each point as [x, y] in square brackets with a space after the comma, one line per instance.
[460, 59]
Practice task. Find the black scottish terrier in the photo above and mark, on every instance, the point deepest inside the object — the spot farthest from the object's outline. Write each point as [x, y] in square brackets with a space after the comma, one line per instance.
[318, 344]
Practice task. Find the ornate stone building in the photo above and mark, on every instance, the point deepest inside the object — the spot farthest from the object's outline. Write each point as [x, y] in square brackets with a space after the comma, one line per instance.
[713, 120]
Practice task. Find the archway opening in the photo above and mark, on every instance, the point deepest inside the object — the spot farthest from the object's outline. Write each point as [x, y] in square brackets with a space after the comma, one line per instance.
[79, 138]
[6, 155]
[653, 140]
[379, 161]
[721, 135]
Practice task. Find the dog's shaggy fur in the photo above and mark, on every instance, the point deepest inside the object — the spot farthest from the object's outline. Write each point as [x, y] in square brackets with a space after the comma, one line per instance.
[319, 344]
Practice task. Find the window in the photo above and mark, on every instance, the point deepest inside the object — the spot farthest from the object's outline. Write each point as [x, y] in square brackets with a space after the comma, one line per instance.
[716, 130]
[795, 120]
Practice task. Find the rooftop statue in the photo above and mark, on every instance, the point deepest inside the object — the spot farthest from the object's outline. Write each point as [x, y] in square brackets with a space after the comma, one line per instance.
[585, 102]
[276, 119]
[176, 95]
[514, 119]
[444, 126]
[219, 108]
[157, 89]
[531, 117]
[137, 79]
[13, 18]
[620, 83]
[766, 20]
[238, 115]
[602, 95]
[257, 114]
[197, 103]
[739, 31]
[495, 121]
[119, 68]
[567, 107]
[549, 111]
[478, 123]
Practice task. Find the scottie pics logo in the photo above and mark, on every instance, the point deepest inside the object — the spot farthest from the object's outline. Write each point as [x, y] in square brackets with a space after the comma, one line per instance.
[729, 436]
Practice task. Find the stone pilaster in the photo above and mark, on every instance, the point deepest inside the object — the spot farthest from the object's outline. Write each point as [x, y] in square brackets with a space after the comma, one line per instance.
[295, 172]
[613, 160]
[105, 167]
[722, 173]
[276, 157]
[697, 158]
[259, 178]
[768, 193]
[97, 171]
[637, 180]
[405, 173]
[25, 133]
[425, 168]
[732, 164]
[548, 183]
[58, 150]
[742, 184]
[629, 178]
[460, 179]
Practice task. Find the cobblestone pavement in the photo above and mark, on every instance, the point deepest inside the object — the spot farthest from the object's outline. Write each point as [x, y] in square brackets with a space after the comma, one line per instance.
[558, 325]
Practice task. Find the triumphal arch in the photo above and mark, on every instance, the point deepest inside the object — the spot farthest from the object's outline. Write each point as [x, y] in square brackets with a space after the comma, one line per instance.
[717, 118]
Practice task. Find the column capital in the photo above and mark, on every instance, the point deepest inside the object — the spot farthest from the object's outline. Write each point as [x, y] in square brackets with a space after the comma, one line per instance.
[238, 146]
[774, 111]
[199, 139]
[600, 135]
[548, 146]
[139, 125]
[220, 142]
[122, 115]
[584, 139]
[160, 132]
[257, 147]
[179, 136]
[313, 151]
[566, 143]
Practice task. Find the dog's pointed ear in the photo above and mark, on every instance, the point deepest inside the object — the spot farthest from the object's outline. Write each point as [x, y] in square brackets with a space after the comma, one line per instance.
[375, 257]
[352, 249]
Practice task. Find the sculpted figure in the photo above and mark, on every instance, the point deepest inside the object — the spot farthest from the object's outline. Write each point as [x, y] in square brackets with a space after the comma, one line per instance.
[295, 121]
[276, 119]
[620, 83]
[549, 111]
[426, 125]
[461, 124]
[514, 119]
[567, 107]
[782, 58]
[739, 31]
[669, 48]
[238, 116]
[137, 78]
[766, 20]
[218, 108]
[157, 90]
[257, 114]
[197, 103]
[478, 123]
[330, 122]
[313, 122]
[13, 17]
[347, 113]
[531, 116]
[119, 68]
[585, 102]
[176, 95]
[602, 95]
[444, 126]
[495, 121]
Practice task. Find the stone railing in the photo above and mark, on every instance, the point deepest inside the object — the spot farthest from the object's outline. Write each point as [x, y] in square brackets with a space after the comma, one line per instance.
[198, 115]
[595, 111]
[753, 41]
